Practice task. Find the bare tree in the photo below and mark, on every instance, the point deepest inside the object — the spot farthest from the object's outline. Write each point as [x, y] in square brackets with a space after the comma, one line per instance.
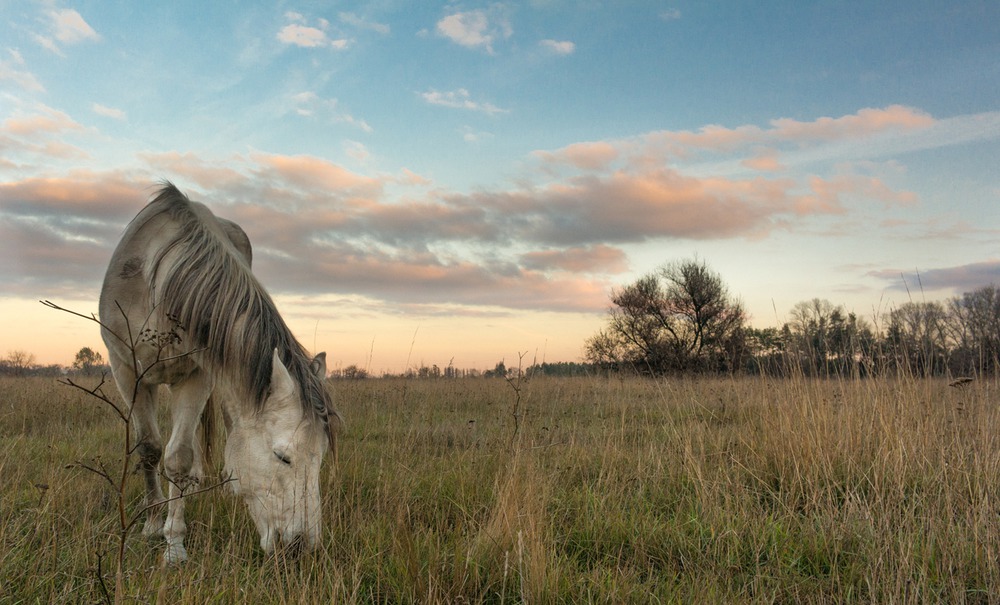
[974, 326]
[19, 362]
[823, 338]
[917, 337]
[679, 318]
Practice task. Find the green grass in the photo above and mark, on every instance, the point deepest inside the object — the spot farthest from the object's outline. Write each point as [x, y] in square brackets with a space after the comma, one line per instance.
[620, 490]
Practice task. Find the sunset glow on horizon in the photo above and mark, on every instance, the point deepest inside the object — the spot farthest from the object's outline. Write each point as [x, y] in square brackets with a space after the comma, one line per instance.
[464, 183]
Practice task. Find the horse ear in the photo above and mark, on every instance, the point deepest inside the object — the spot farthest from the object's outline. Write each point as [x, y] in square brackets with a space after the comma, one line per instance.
[282, 385]
[318, 365]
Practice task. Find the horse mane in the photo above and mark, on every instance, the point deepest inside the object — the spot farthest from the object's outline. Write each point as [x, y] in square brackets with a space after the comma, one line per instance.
[208, 290]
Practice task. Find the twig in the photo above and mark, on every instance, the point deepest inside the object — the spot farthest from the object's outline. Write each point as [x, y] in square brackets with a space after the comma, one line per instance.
[125, 522]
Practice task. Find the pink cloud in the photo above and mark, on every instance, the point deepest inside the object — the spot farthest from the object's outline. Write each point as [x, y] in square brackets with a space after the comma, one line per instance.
[766, 160]
[83, 194]
[313, 174]
[585, 156]
[598, 258]
[45, 121]
[828, 194]
[658, 204]
[317, 226]
[191, 167]
[865, 122]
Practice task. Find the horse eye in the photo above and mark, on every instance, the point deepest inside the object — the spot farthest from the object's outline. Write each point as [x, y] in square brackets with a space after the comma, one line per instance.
[284, 459]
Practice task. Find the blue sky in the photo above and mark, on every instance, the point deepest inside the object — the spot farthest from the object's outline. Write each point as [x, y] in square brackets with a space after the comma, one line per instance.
[461, 182]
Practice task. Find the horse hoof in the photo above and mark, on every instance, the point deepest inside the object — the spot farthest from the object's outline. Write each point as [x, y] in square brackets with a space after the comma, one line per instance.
[175, 555]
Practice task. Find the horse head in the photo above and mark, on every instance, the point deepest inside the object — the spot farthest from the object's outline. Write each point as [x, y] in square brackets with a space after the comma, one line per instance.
[273, 457]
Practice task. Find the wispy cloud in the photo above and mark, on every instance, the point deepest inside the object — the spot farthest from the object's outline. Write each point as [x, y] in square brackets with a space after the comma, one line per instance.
[354, 20]
[559, 47]
[460, 99]
[108, 112]
[69, 27]
[309, 104]
[476, 29]
[65, 26]
[300, 33]
[37, 133]
[595, 155]
[12, 69]
[864, 123]
[883, 130]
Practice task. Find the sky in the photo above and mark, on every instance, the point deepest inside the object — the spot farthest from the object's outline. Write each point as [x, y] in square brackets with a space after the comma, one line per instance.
[460, 183]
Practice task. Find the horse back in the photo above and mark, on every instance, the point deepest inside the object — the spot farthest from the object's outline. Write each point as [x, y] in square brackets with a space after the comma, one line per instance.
[128, 309]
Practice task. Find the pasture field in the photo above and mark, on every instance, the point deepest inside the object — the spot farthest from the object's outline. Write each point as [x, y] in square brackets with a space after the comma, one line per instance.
[745, 490]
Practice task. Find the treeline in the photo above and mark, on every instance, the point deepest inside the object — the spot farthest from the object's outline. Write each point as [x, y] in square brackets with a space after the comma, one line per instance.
[500, 370]
[683, 319]
[22, 363]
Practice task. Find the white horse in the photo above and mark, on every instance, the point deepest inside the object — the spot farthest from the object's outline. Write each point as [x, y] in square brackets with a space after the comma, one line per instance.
[180, 306]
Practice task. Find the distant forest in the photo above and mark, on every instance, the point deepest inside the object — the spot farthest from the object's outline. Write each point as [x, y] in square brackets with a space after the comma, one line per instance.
[681, 319]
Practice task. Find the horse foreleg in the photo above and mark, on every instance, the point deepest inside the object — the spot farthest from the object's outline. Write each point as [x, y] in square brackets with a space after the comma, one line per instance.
[148, 447]
[183, 463]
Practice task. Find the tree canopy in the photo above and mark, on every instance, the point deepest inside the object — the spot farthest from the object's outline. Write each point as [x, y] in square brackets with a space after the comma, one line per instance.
[678, 318]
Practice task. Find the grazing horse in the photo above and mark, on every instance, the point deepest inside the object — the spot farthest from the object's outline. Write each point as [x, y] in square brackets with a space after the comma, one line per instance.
[180, 307]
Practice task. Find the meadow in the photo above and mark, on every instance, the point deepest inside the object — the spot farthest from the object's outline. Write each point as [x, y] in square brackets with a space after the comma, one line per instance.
[603, 490]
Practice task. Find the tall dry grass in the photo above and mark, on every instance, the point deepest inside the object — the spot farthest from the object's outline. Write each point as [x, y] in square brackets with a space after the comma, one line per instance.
[618, 490]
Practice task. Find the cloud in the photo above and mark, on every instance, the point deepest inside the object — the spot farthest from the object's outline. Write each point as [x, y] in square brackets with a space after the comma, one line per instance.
[55, 232]
[765, 160]
[10, 70]
[40, 133]
[559, 47]
[865, 123]
[44, 120]
[549, 241]
[96, 196]
[299, 33]
[585, 156]
[357, 151]
[68, 27]
[476, 29]
[309, 104]
[626, 207]
[957, 279]
[108, 112]
[670, 14]
[309, 173]
[471, 135]
[460, 99]
[360, 23]
[587, 259]
[190, 168]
